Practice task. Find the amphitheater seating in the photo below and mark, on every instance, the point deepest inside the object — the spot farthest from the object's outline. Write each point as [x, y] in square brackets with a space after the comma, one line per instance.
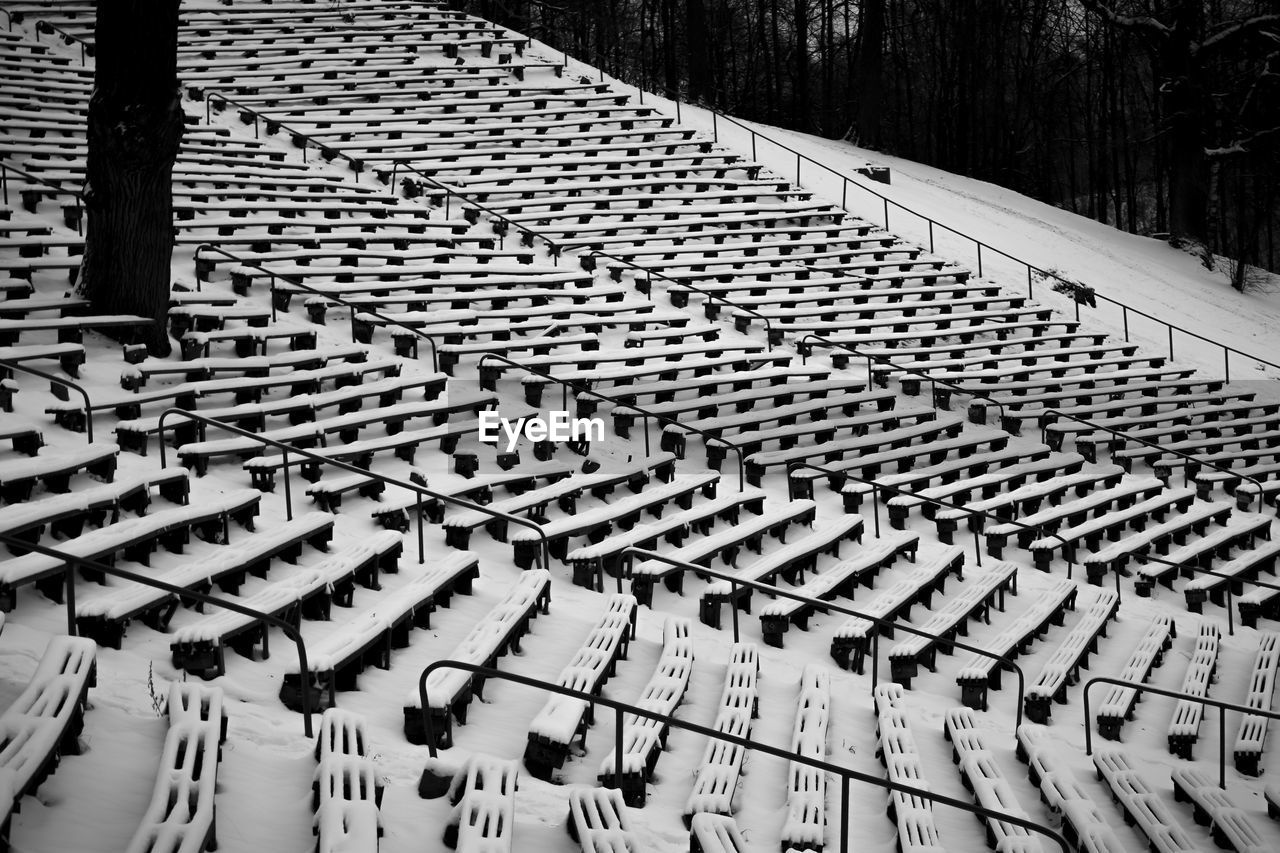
[982, 776]
[1252, 734]
[1062, 669]
[346, 793]
[1228, 823]
[716, 781]
[1235, 572]
[897, 751]
[1118, 701]
[1083, 825]
[1184, 728]
[598, 820]
[1141, 805]
[483, 796]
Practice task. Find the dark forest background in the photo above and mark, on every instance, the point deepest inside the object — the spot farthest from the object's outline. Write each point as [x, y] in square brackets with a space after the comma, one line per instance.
[1161, 117]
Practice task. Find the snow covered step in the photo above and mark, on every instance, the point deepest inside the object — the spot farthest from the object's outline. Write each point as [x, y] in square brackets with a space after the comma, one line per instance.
[1184, 728]
[643, 738]
[852, 640]
[1229, 826]
[1118, 701]
[972, 602]
[725, 544]
[1062, 669]
[791, 561]
[717, 774]
[1142, 806]
[982, 672]
[369, 636]
[135, 537]
[982, 776]
[105, 617]
[45, 721]
[180, 818]
[837, 582]
[1193, 520]
[483, 794]
[449, 690]
[199, 647]
[598, 821]
[806, 820]
[346, 791]
[564, 718]
[1252, 734]
[1238, 571]
[1083, 825]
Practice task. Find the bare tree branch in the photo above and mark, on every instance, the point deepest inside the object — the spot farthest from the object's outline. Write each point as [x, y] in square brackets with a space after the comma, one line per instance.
[1145, 23]
[1242, 146]
[1233, 30]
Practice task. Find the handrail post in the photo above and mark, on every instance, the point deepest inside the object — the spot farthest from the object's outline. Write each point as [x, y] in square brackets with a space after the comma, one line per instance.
[288, 497]
[618, 740]
[7, 364]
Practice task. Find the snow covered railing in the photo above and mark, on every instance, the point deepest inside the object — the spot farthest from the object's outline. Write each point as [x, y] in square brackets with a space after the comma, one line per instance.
[561, 720]
[791, 561]
[981, 673]
[1083, 824]
[837, 582]
[489, 639]
[641, 739]
[106, 617]
[1253, 728]
[1062, 669]
[199, 647]
[180, 818]
[1184, 727]
[598, 821]
[483, 794]
[1118, 703]
[973, 602]
[1141, 805]
[982, 776]
[346, 792]
[367, 638]
[717, 774]
[806, 821]
[1227, 822]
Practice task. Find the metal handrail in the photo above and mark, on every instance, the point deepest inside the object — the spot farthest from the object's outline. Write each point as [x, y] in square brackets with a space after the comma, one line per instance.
[1045, 423]
[5, 168]
[297, 134]
[1222, 707]
[72, 561]
[420, 490]
[7, 364]
[67, 38]
[664, 419]
[846, 774]
[626, 557]
[354, 308]
[805, 349]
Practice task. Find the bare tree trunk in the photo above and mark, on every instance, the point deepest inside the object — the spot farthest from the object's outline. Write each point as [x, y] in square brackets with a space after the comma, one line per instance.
[134, 129]
[868, 72]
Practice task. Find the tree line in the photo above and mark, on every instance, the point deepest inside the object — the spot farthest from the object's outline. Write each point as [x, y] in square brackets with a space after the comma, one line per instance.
[1161, 117]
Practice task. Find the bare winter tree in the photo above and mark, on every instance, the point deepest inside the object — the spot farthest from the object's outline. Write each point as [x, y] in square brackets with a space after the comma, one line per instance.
[134, 130]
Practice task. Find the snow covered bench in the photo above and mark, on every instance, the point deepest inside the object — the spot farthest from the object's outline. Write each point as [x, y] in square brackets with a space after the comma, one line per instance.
[591, 562]
[716, 781]
[45, 721]
[136, 538]
[1238, 571]
[1142, 806]
[1228, 823]
[725, 544]
[837, 582]
[598, 821]
[982, 672]
[199, 647]
[852, 640]
[1090, 532]
[180, 817]
[564, 718]
[716, 833]
[1193, 520]
[806, 819]
[1118, 701]
[981, 775]
[1259, 603]
[596, 523]
[396, 513]
[643, 738]
[346, 792]
[483, 794]
[1063, 666]
[1083, 825]
[972, 602]
[985, 468]
[1252, 734]
[897, 751]
[1073, 513]
[1184, 728]
[18, 476]
[790, 561]
[369, 636]
[449, 691]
